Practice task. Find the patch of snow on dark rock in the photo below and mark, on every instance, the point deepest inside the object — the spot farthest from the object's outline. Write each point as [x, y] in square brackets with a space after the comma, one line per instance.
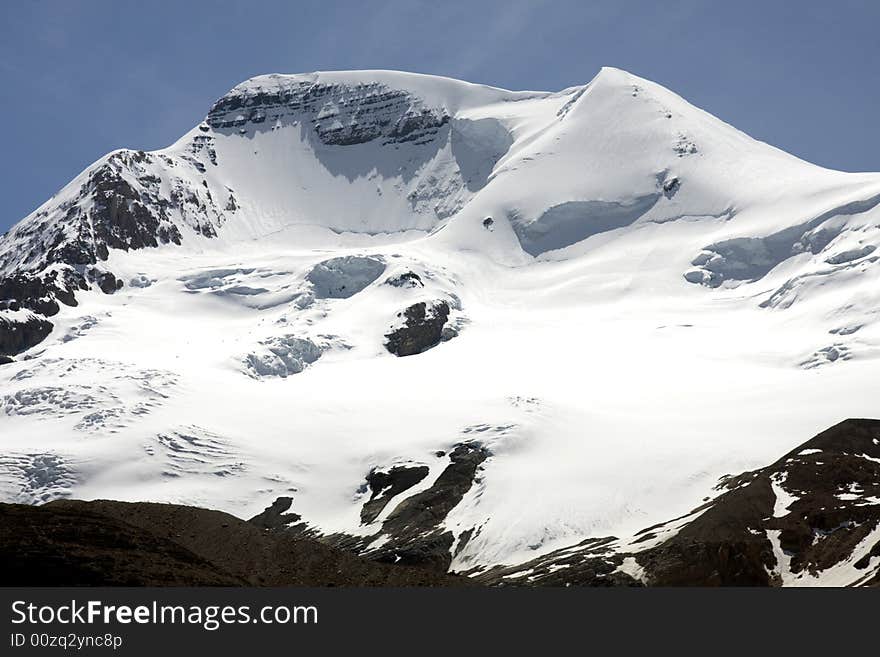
[422, 328]
[408, 279]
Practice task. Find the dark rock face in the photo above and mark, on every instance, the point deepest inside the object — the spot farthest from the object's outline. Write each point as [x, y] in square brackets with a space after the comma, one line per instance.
[5, 360]
[276, 516]
[838, 489]
[121, 219]
[40, 292]
[717, 548]
[119, 206]
[340, 115]
[127, 202]
[385, 485]
[423, 329]
[20, 335]
[408, 279]
[109, 283]
[819, 502]
[413, 531]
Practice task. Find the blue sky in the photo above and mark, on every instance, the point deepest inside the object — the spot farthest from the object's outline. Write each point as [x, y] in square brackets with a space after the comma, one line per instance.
[80, 78]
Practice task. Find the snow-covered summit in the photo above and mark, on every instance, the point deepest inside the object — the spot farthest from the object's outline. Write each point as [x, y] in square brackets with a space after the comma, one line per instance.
[387, 152]
[429, 90]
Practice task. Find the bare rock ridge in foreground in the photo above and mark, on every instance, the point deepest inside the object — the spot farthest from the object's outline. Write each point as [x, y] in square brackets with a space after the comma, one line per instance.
[814, 511]
[106, 543]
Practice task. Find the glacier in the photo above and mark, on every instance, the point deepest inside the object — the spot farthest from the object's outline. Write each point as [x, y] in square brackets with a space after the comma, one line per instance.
[639, 300]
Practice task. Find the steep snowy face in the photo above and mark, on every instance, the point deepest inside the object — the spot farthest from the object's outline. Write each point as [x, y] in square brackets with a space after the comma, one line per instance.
[569, 313]
[279, 146]
[621, 154]
[362, 152]
[366, 153]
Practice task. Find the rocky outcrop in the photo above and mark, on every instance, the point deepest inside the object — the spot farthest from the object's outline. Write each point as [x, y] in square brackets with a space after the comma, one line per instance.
[422, 328]
[124, 217]
[340, 115]
[119, 205]
[723, 546]
[131, 200]
[407, 279]
[21, 331]
[41, 292]
[413, 533]
[387, 484]
[108, 282]
[275, 516]
[415, 527]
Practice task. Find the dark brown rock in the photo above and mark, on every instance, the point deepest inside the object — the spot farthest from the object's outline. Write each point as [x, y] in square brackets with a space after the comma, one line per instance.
[106, 543]
[40, 292]
[422, 329]
[109, 283]
[385, 485]
[17, 336]
[415, 524]
[406, 279]
[276, 516]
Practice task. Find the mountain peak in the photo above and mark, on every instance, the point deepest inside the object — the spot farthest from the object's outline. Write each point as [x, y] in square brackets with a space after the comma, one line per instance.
[376, 152]
[393, 294]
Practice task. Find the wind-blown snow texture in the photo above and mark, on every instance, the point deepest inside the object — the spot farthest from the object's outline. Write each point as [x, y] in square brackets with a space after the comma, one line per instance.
[616, 295]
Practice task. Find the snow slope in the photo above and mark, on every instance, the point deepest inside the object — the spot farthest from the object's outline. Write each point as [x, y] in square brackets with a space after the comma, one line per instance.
[641, 300]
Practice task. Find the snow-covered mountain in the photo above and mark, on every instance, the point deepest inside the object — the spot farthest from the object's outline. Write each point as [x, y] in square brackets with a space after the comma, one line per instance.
[571, 313]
